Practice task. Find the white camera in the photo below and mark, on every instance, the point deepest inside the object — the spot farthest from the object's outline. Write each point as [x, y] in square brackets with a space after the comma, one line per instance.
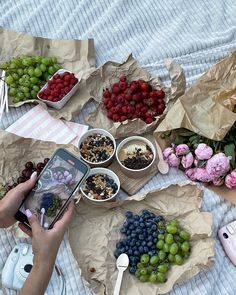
[17, 267]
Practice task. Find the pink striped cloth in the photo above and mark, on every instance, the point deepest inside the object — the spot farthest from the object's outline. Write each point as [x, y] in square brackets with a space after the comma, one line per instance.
[38, 124]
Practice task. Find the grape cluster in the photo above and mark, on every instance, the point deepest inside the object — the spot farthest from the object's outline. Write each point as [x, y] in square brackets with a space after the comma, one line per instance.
[51, 204]
[27, 74]
[152, 244]
[29, 168]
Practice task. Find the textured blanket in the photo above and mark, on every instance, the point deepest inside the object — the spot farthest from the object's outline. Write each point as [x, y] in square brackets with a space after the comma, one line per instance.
[196, 33]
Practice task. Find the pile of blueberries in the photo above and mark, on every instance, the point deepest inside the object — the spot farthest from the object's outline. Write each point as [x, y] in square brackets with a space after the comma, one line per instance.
[141, 233]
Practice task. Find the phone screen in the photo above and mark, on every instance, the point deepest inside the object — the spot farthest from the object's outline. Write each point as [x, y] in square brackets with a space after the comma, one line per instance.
[55, 185]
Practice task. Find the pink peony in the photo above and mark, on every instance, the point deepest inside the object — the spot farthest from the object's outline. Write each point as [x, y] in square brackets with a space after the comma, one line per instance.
[203, 151]
[187, 160]
[218, 165]
[191, 173]
[167, 152]
[181, 148]
[230, 179]
[202, 175]
[173, 161]
[218, 181]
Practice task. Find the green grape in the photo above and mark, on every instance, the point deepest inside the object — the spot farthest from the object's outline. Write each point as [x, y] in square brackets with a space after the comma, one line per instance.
[149, 269]
[38, 58]
[9, 80]
[25, 71]
[42, 67]
[34, 80]
[26, 77]
[51, 70]
[137, 273]
[185, 247]
[143, 271]
[15, 76]
[143, 278]
[145, 258]
[153, 278]
[14, 85]
[169, 239]
[48, 77]
[57, 67]
[27, 61]
[178, 259]
[184, 235]
[36, 88]
[186, 255]
[25, 89]
[21, 81]
[20, 72]
[162, 268]
[154, 260]
[37, 72]
[20, 95]
[161, 255]
[160, 244]
[161, 277]
[33, 94]
[26, 83]
[161, 237]
[12, 91]
[27, 95]
[140, 265]
[171, 257]
[166, 248]
[174, 222]
[171, 229]
[4, 66]
[174, 248]
[46, 61]
[16, 99]
[54, 60]
[12, 66]
[31, 71]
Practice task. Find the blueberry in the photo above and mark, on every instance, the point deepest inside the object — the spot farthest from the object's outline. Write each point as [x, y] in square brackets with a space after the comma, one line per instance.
[155, 234]
[130, 252]
[136, 252]
[153, 227]
[123, 230]
[141, 249]
[155, 240]
[125, 224]
[128, 214]
[136, 217]
[145, 211]
[132, 269]
[144, 243]
[133, 235]
[149, 253]
[161, 231]
[132, 242]
[119, 245]
[116, 253]
[128, 232]
[149, 244]
[136, 223]
[138, 243]
[122, 249]
[141, 237]
[141, 224]
[141, 219]
[153, 252]
[126, 248]
[138, 230]
[145, 249]
[152, 215]
[136, 258]
[149, 238]
[148, 224]
[153, 247]
[149, 231]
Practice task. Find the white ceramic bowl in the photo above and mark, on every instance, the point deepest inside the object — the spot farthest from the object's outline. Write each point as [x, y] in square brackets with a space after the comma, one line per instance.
[108, 161]
[102, 171]
[59, 104]
[135, 173]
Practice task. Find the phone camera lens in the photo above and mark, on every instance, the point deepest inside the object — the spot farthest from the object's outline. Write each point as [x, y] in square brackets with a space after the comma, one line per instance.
[28, 268]
[225, 235]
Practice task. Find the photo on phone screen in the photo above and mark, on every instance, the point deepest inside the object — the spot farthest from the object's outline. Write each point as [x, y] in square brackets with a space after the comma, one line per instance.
[56, 184]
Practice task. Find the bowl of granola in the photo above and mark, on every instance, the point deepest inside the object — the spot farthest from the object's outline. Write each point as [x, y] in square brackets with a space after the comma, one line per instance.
[97, 147]
[136, 156]
[100, 186]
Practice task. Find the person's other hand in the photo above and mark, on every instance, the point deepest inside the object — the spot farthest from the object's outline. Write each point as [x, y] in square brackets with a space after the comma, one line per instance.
[10, 204]
[46, 243]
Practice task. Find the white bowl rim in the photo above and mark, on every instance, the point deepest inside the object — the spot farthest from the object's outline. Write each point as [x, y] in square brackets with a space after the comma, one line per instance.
[141, 138]
[95, 170]
[86, 134]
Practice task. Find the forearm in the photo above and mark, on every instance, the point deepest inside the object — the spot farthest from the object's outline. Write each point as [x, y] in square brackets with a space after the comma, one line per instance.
[38, 279]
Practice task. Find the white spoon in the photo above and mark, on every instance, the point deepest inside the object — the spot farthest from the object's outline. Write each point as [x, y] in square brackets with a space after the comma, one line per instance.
[122, 263]
[162, 166]
[42, 215]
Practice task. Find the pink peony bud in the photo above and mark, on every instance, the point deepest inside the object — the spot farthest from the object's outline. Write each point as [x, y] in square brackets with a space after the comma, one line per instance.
[173, 161]
[181, 148]
[195, 162]
[191, 173]
[230, 179]
[202, 175]
[218, 165]
[167, 152]
[203, 151]
[218, 181]
[187, 160]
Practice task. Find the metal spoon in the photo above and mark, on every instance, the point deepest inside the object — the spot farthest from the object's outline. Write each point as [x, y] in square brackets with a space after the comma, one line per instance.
[162, 166]
[122, 263]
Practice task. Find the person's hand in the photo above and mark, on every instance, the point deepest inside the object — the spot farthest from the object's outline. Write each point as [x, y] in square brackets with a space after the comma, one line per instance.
[46, 243]
[10, 204]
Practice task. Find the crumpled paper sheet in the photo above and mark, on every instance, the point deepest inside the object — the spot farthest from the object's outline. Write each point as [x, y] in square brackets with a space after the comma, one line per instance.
[77, 56]
[95, 230]
[206, 107]
[109, 73]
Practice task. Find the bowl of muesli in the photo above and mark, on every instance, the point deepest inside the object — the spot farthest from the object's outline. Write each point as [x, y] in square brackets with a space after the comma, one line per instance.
[101, 185]
[97, 147]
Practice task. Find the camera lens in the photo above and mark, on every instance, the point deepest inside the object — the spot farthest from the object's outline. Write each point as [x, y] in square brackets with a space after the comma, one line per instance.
[225, 235]
[28, 268]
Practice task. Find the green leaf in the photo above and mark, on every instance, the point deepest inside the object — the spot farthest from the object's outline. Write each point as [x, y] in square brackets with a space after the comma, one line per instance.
[183, 153]
[201, 163]
[229, 150]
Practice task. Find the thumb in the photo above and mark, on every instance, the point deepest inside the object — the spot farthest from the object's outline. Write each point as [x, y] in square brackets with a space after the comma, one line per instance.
[25, 187]
[33, 221]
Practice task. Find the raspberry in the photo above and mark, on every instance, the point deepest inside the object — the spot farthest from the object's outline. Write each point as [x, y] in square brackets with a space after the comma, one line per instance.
[114, 98]
[151, 101]
[145, 87]
[123, 78]
[113, 110]
[106, 100]
[109, 105]
[144, 109]
[116, 88]
[128, 96]
[110, 115]
[137, 96]
[116, 117]
[129, 116]
[130, 109]
[123, 118]
[120, 98]
[133, 87]
[106, 93]
[160, 93]
[118, 108]
[125, 109]
[145, 95]
[149, 120]
[160, 101]
[123, 85]
[160, 108]
[138, 106]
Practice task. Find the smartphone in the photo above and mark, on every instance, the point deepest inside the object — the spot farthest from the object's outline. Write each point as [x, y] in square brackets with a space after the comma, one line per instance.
[56, 185]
